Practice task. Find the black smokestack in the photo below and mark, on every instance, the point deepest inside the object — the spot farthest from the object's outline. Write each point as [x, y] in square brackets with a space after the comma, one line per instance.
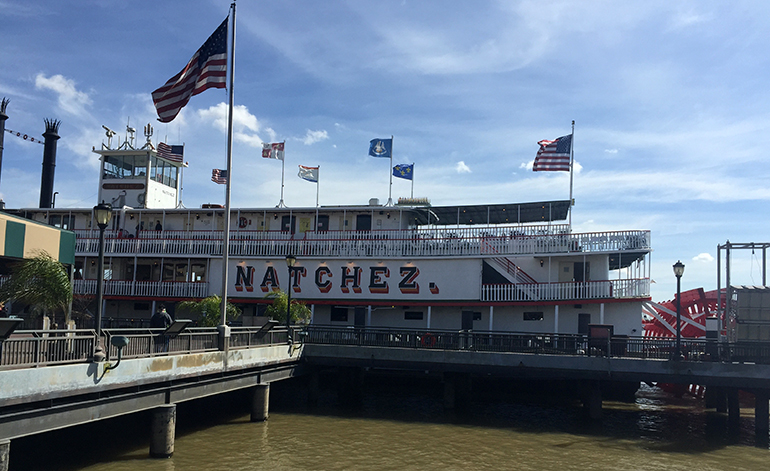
[3, 117]
[49, 161]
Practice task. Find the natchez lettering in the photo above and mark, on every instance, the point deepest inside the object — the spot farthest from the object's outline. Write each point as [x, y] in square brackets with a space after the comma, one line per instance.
[350, 279]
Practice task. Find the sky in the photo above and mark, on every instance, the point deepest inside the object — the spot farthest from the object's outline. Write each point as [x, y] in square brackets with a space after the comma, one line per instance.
[668, 98]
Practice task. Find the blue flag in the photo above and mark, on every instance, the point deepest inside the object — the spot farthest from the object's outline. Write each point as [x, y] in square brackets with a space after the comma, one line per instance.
[381, 148]
[403, 171]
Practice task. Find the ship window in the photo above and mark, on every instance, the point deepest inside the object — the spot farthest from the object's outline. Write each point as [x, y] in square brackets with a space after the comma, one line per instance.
[413, 315]
[339, 314]
[198, 271]
[141, 306]
[533, 316]
[64, 222]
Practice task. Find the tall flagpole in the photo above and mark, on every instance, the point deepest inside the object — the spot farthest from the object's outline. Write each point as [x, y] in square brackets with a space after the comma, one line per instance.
[390, 172]
[224, 331]
[571, 166]
[412, 194]
[281, 204]
[317, 191]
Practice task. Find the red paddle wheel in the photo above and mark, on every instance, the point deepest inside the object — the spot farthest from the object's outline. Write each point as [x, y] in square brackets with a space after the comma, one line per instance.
[659, 321]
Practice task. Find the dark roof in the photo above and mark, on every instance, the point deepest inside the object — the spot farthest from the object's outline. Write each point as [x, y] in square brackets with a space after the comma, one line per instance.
[620, 260]
[492, 213]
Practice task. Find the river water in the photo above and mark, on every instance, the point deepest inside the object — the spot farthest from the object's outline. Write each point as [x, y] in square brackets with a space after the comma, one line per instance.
[402, 425]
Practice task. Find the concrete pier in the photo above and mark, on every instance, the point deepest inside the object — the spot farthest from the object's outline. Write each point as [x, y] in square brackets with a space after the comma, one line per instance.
[733, 408]
[457, 391]
[761, 412]
[260, 402]
[313, 388]
[592, 399]
[163, 431]
[5, 450]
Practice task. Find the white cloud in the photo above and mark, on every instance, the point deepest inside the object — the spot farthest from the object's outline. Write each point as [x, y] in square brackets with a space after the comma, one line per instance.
[611, 151]
[70, 99]
[462, 168]
[314, 136]
[703, 257]
[245, 124]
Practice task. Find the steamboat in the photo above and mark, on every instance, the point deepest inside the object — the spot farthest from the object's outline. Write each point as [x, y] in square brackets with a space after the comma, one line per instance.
[515, 267]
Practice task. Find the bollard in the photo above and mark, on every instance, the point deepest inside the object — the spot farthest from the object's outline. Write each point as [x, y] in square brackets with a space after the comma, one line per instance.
[163, 430]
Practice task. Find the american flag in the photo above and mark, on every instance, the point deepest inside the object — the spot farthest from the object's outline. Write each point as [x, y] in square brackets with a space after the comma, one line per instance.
[553, 156]
[207, 69]
[172, 153]
[219, 176]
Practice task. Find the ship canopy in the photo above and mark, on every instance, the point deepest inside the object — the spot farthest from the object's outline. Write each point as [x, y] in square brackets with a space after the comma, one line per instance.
[507, 213]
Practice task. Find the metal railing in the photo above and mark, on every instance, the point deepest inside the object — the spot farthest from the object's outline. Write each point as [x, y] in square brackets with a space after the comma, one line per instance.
[502, 240]
[173, 289]
[32, 349]
[630, 288]
[540, 343]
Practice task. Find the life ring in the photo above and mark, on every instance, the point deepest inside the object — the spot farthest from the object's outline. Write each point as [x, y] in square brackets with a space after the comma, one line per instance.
[428, 340]
[242, 222]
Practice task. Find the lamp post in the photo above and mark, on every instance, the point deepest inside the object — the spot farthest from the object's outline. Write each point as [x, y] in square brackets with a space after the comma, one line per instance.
[103, 214]
[678, 272]
[290, 261]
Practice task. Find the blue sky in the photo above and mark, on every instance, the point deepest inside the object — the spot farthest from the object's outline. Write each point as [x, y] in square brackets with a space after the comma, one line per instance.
[670, 102]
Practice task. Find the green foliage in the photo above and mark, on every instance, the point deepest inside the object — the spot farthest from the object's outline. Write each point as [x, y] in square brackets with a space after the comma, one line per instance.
[41, 282]
[208, 310]
[300, 313]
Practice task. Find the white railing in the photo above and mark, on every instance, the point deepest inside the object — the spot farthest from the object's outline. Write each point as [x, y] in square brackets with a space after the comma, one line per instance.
[346, 244]
[613, 289]
[168, 289]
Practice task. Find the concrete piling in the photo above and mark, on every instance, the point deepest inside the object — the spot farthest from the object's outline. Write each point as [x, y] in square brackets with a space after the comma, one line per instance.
[260, 402]
[163, 431]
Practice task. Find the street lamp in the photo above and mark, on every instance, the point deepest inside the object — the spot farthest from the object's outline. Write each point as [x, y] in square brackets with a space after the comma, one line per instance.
[103, 214]
[678, 272]
[290, 261]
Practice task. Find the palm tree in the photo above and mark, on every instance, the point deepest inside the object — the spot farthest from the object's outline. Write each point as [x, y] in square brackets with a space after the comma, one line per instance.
[209, 310]
[300, 313]
[41, 282]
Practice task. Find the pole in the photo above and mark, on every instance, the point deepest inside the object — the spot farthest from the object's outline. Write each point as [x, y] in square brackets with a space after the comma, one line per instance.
[281, 204]
[226, 236]
[678, 317]
[390, 172]
[317, 191]
[288, 309]
[411, 195]
[98, 352]
[571, 167]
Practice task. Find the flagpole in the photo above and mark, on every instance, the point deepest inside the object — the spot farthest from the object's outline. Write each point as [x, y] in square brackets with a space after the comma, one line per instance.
[571, 166]
[223, 329]
[412, 194]
[390, 172]
[281, 204]
[317, 191]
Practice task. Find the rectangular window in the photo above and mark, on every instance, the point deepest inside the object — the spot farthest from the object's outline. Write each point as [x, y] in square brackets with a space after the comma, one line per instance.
[413, 315]
[141, 306]
[533, 316]
[339, 314]
[476, 316]
[66, 222]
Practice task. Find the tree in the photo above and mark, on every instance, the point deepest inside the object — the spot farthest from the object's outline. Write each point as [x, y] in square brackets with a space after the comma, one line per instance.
[41, 282]
[300, 313]
[209, 310]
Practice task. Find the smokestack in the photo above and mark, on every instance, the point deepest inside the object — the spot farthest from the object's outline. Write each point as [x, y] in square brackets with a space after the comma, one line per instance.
[3, 117]
[49, 162]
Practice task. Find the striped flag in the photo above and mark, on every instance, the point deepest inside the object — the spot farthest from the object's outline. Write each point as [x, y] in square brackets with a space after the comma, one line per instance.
[273, 151]
[172, 153]
[219, 176]
[207, 69]
[553, 156]
[308, 173]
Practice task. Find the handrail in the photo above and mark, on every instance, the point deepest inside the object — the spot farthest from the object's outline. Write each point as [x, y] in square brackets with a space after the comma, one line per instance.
[38, 348]
[620, 346]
